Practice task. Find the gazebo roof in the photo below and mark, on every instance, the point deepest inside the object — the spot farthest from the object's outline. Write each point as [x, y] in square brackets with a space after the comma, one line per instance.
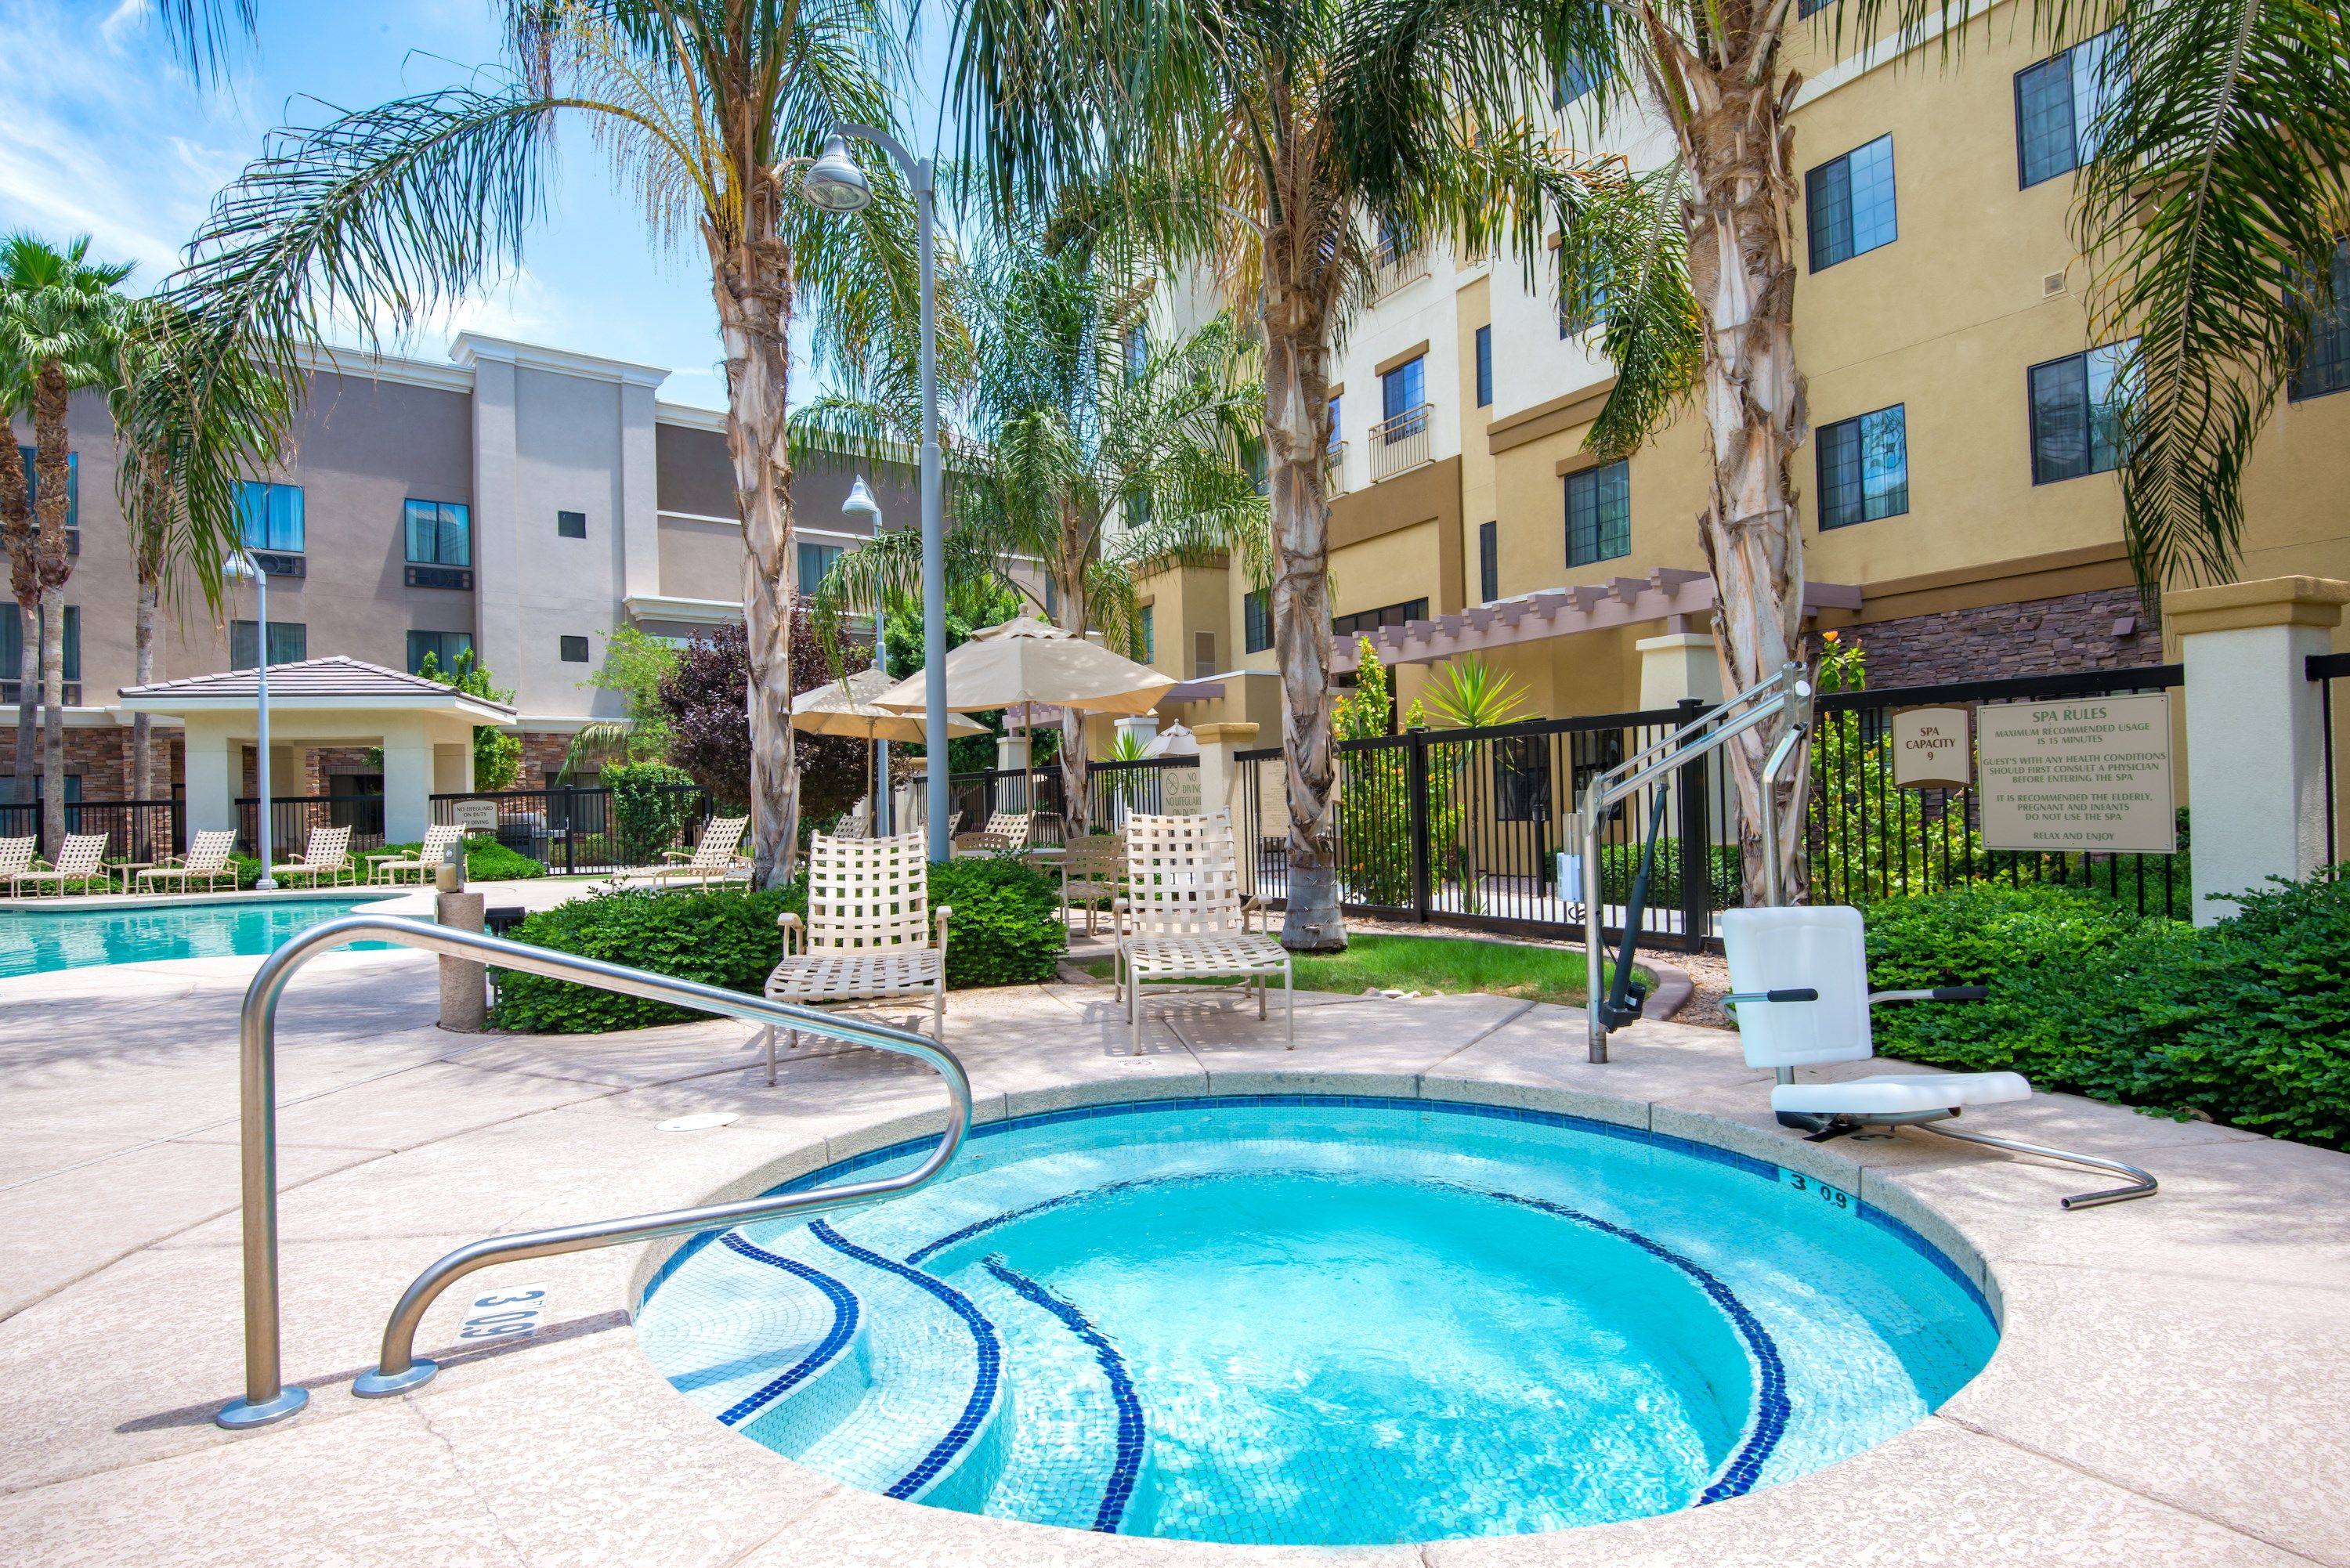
[315, 683]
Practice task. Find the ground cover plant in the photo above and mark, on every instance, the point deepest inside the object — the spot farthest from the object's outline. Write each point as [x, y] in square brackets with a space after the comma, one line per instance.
[486, 860]
[1006, 930]
[2246, 1021]
[1448, 964]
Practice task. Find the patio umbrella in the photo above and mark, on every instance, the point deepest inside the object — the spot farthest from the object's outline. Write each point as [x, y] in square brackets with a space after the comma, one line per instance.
[1033, 662]
[847, 707]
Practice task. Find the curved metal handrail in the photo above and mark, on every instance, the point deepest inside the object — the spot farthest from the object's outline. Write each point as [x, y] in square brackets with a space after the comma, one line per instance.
[266, 1398]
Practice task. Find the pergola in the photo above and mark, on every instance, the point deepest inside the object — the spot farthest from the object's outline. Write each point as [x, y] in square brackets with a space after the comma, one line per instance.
[426, 731]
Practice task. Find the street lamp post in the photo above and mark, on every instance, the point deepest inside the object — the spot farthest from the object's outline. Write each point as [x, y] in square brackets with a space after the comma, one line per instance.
[860, 503]
[242, 565]
[834, 183]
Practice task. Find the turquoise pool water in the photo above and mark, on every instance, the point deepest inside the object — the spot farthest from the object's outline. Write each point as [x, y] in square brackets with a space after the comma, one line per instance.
[1322, 1321]
[34, 941]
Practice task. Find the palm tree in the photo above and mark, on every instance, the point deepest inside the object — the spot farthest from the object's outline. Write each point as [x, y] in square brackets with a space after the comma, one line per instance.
[1089, 451]
[193, 417]
[1272, 140]
[64, 322]
[709, 111]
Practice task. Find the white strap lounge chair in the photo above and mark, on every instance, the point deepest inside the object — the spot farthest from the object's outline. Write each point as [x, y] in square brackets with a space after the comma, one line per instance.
[327, 855]
[80, 861]
[17, 855]
[1186, 919]
[1093, 871]
[207, 858]
[715, 858]
[867, 937]
[1007, 832]
[858, 823]
[423, 863]
[1800, 978]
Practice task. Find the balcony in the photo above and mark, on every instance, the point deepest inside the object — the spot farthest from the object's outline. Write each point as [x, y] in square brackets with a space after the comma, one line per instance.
[1333, 484]
[1391, 269]
[1400, 442]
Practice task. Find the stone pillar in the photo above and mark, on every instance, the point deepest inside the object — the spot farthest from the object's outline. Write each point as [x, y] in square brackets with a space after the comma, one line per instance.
[2255, 735]
[1219, 776]
[406, 781]
[1677, 665]
[465, 998]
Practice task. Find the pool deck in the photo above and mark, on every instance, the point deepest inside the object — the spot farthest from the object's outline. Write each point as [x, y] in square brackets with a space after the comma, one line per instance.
[2173, 1385]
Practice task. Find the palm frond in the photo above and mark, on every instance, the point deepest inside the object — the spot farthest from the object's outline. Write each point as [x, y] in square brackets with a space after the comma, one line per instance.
[1623, 262]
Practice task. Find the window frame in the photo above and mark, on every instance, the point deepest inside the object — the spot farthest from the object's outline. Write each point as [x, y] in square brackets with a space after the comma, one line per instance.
[1256, 621]
[280, 631]
[570, 524]
[564, 643]
[1857, 424]
[1489, 562]
[2090, 409]
[2334, 331]
[446, 655]
[1818, 214]
[1593, 477]
[2061, 61]
[269, 493]
[408, 520]
[1484, 359]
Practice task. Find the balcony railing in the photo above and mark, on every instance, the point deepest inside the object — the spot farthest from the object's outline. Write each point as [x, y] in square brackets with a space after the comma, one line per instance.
[1400, 442]
[1335, 484]
[1391, 269]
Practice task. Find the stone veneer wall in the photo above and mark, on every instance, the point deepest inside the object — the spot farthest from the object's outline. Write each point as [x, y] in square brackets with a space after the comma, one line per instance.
[542, 758]
[2037, 637]
[101, 754]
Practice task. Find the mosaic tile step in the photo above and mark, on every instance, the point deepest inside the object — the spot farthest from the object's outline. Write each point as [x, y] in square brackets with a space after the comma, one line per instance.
[746, 1328]
[1074, 1455]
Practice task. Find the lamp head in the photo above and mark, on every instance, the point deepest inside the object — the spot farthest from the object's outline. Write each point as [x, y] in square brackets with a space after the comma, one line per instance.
[834, 181]
[860, 502]
[238, 566]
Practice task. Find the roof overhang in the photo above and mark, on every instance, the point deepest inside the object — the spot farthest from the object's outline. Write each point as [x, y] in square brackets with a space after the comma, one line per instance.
[456, 704]
[691, 612]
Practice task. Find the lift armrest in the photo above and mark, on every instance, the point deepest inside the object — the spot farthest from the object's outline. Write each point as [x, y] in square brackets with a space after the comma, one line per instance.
[1939, 994]
[1788, 993]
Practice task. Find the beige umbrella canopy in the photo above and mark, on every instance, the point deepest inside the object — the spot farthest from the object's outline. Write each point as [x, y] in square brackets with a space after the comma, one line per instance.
[847, 707]
[1031, 660]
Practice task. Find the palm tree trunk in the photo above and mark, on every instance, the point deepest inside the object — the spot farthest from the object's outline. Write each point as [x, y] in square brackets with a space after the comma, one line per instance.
[1739, 149]
[1298, 438]
[142, 733]
[751, 283]
[50, 446]
[25, 583]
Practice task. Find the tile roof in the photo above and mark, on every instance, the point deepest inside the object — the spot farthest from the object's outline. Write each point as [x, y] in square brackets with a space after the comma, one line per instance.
[339, 677]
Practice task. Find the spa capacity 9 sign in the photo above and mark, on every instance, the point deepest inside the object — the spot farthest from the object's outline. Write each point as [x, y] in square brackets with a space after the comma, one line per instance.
[2083, 774]
[1930, 749]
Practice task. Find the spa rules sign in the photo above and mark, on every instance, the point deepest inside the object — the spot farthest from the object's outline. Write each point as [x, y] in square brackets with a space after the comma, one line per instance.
[2089, 773]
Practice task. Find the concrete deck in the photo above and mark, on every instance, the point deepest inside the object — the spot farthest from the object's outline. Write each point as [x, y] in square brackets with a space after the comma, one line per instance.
[2173, 1386]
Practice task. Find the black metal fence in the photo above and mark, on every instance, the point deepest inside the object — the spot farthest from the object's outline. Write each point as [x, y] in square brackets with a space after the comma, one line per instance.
[293, 817]
[134, 829]
[2323, 670]
[1114, 791]
[570, 830]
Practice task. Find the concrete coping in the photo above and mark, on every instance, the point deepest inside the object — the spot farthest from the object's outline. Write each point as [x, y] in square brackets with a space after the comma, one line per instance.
[2268, 602]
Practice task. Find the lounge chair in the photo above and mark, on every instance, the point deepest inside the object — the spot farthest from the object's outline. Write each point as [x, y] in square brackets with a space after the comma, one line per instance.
[207, 858]
[857, 821]
[81, 861]
[1007, 832]
[1186, 919]
[327, 855]
[17, 855]
[1093, 871]
[1800, 981]
[715, 858]
[868, 933]
[424, 862]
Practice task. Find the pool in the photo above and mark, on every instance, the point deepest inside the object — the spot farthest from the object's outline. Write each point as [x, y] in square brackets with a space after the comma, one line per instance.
[36, 941]
[1317, 1319]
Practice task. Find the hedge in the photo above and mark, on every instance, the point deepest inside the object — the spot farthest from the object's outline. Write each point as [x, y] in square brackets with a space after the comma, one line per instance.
[1619, 864]
[2246, 1021]
[486, 860]
[1006, 931]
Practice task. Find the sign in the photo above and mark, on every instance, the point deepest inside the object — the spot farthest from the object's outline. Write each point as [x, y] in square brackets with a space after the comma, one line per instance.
[1178, 791]
[2082, 773]
[1930, 749]
[505, 1314]
[477, 815]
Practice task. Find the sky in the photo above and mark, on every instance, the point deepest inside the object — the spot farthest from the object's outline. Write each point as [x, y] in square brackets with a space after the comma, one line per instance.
[102, 134]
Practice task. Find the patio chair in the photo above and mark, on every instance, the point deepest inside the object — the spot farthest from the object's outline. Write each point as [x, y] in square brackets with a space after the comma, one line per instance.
[867, 937]
[1800, 978]
[17, 855]
[327, 855]
[1093, 872]
[207, 858]
[81, 859]
[857, 823]
[1007, 832]
[715, 858]
[424, 862]
[1186, 920]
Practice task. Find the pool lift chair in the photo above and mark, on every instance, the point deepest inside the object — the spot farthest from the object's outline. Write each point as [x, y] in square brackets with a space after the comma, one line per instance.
[1823, 1017]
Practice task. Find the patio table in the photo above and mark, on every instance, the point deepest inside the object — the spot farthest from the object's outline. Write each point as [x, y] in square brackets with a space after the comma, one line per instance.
[129, 870]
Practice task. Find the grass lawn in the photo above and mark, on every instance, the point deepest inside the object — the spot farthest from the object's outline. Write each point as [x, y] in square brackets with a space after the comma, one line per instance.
[1448, 964]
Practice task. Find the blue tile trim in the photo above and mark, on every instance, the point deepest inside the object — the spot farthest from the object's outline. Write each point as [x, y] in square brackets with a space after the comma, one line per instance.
[1127, 1465]
[930, 1249]
[982, 1334]
[1901, 1231]
[844, 1325]
[1771, 1409]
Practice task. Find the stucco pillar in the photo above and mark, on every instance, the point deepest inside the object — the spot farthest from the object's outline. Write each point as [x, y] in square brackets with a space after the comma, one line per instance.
[453, 768]
[497, 528]
[1678, 665]
[406, 781]
[1012, 754]
[213, 768]
[1143, 727]
[2255, 735]
[639, 494]
[1219, 776]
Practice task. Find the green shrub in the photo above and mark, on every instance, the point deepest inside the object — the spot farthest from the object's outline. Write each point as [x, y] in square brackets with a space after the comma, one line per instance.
[1006, 931]
[2247, 1022]
[650, 802]
[1619, 864]
[486, 860]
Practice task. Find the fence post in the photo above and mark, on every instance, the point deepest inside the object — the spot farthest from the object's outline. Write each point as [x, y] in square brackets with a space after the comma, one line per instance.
[1695, 859]
[1416, 783]
[571, 827]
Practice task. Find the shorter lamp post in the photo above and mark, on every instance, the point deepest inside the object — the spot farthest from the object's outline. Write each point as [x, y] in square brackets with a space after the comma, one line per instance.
[242, 565]
[860, 503]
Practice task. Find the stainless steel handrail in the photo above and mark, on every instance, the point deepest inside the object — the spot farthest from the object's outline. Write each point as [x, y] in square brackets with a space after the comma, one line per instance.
[266, 1396]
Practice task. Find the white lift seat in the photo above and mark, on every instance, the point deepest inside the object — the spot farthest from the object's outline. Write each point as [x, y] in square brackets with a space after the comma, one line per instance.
[1799, 977]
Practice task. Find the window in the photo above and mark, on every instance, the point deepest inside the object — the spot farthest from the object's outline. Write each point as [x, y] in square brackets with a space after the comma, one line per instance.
[1484, 366]
[2077, 407]
[1337, 437]
[1136, 342]
[1260, 468]
[816, 563]
[1489, 563]
[1146, 637]
[2325, 361]
[2058, 103]
[1522, 778]
[571, 525]
[445, 648]
[574, 649]
[269, 517]
[1579, 313]
[1850, 202]
[1598, 514]
[289, 643]
[1368, 620]
[73, 486]
[12, 651]
[1256, 618]
[1203, 655]
[440, 534]
[1572, 83]
[1864, 468]
[1403, 401]
[1809, 8]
